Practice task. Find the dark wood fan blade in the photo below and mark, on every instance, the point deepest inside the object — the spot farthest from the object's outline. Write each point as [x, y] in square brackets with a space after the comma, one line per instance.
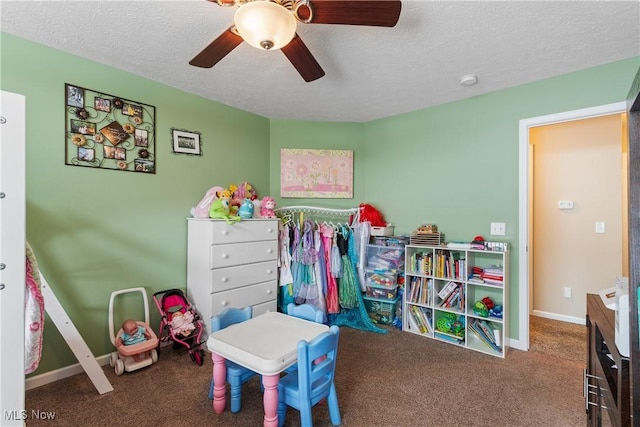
[377, 13]
[218, 49]
[301, 58]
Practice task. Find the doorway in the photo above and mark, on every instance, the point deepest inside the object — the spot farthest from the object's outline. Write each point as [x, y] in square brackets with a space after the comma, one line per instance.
[526, 204]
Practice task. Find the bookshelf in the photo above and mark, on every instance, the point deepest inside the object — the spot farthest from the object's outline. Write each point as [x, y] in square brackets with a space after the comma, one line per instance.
[442, 287]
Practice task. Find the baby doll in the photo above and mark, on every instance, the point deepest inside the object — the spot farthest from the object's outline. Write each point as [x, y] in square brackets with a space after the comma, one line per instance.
[182, 323]
[132, 333]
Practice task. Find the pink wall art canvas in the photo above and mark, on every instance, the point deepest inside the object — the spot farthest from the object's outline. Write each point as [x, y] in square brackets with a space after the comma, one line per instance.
[322, 174]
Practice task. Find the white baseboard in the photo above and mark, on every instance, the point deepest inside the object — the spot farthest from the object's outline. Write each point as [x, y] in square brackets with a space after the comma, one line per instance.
[58, 374]
[561, 317]
[67, 371]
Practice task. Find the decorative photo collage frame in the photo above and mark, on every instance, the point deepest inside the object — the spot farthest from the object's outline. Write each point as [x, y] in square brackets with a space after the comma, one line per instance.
[108, 132]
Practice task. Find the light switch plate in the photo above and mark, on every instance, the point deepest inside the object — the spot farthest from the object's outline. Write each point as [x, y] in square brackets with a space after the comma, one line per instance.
[600, 227]
[498, 228]
[565, 204]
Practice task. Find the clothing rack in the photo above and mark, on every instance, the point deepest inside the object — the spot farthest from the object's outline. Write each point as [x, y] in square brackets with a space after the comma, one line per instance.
[286, 212]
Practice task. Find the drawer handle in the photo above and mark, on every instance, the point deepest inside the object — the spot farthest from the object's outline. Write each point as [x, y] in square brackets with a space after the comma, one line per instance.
[223, 303]
[225, 256]
[269, 251]
[224, 279]
[269, 230]
[269, 271]
[269, 292]
[225, 232]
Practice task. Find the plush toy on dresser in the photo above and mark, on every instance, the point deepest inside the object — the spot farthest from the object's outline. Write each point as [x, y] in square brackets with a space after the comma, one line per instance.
[246, 209]
[267, 207]
[220, 207]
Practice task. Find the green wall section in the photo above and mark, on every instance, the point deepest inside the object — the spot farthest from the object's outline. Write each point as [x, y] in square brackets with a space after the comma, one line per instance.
[95, 231]
[456, 165]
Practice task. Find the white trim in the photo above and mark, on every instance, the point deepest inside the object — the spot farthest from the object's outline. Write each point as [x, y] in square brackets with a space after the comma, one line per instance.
[59, 374]
[561, 317]
[523, 234]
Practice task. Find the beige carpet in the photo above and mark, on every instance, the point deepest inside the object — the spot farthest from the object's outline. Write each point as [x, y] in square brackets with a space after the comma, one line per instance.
[557, 338]
[398, 379]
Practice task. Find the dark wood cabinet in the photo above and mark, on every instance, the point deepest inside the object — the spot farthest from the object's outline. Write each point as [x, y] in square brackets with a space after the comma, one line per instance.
[607, 377]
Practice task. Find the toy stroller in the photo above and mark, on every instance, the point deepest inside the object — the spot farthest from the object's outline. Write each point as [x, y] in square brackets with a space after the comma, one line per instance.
[135, 356]
[181, 323]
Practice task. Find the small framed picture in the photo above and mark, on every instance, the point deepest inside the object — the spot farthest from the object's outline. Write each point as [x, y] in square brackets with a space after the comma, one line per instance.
[132, 110]
[142, 165]
[186, 142]
[142, 138]
[102, 104]
[75, 96]
[86, 154]
[82, 127]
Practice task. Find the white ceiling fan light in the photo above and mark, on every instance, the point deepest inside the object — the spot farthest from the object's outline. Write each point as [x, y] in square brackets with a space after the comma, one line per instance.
[265, 25]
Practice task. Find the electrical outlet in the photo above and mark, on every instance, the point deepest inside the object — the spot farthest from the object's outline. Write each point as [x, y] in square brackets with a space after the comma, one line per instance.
[498, 229]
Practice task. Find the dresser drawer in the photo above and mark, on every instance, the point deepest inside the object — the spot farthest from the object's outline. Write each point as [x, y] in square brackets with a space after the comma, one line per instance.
[223, 279]
[242, 297]
[242, 253]
[243, 231]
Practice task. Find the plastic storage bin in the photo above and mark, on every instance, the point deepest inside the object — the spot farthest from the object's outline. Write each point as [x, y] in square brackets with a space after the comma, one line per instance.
[381, 311]
[386, 278]
[385, 257]
[382, 292]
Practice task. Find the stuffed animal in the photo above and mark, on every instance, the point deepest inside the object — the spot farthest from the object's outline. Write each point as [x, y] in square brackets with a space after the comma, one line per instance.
[267, 207]
[246, 209]
[241, 192]
[257, 204]
[220, 207]
[201, 210]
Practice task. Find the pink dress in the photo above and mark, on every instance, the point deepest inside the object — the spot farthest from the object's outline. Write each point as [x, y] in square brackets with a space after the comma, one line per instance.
[332, 287]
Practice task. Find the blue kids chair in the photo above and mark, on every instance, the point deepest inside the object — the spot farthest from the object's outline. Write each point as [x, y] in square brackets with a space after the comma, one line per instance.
[313, 380]
[304, 311]
[236, 374]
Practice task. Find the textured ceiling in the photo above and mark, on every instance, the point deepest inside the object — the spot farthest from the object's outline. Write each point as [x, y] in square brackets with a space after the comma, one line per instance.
[371, 72]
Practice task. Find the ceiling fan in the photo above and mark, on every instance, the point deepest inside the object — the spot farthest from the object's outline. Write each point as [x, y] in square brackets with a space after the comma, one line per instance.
[271, 25]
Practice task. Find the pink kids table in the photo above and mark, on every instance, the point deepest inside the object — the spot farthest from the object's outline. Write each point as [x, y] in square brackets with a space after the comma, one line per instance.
[266, 344]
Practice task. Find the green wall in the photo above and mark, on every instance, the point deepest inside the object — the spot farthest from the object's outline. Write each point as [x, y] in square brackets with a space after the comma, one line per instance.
[95, 231]
[455, 165]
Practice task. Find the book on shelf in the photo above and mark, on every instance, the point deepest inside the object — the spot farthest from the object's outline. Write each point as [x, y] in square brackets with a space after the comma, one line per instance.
[488, 329]
[481, 333]
[451, 338]
[422, 322]
[425, 313]
[447, 289]
[413, 323]
[451, 298]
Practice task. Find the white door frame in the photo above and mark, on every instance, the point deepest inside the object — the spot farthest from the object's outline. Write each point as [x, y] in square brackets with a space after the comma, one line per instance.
[12, 258]
[522, 343]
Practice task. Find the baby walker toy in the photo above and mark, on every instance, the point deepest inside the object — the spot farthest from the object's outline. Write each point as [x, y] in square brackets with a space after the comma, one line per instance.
[135, 356]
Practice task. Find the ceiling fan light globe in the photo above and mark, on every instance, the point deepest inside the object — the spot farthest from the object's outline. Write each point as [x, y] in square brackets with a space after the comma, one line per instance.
[265, 25]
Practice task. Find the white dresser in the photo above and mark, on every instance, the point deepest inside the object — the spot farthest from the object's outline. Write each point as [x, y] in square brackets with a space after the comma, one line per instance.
[232, 265]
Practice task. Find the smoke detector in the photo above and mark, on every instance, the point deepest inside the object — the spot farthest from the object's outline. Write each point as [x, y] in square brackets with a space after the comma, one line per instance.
[468, 80]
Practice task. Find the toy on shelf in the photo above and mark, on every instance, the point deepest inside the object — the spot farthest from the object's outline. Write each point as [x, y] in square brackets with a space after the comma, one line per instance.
[267, 207]
[485, 306]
